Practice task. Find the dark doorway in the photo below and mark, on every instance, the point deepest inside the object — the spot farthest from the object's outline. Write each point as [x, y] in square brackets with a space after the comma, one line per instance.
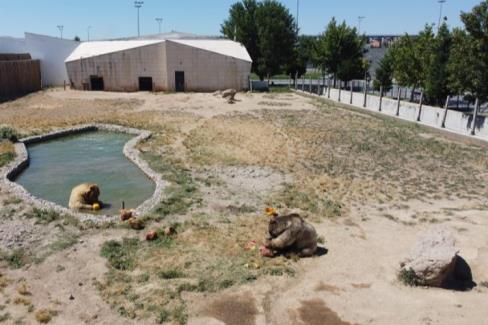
[96, 83]
[179, 80]
[145, 84]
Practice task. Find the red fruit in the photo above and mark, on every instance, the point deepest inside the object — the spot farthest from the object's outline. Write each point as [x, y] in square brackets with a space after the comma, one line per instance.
[151, 235]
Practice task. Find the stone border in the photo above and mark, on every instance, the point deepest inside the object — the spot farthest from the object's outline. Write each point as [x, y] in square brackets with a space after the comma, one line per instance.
[21, 162]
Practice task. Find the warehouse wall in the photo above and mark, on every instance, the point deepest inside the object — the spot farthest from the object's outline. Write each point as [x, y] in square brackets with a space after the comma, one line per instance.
[121, 70]
[205, 70]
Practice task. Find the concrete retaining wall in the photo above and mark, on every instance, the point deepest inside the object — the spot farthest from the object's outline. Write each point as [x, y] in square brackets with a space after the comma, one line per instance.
[12, 170]
[457, 122]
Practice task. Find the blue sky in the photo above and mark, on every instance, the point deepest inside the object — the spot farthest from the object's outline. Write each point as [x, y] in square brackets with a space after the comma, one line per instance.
[117, 18]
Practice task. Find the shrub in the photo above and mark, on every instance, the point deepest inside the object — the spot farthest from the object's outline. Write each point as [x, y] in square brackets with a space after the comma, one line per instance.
[8, 133]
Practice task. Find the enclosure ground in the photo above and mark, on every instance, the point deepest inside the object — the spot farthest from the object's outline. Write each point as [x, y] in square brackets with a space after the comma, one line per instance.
[369, 184]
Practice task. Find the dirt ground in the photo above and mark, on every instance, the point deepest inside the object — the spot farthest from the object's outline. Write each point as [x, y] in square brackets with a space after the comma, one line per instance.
[368, 183]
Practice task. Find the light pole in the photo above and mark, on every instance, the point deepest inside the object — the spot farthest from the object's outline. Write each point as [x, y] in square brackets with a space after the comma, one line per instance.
[138, 5]
[441, 2]
[360, 20]
[160, 22]
[298, 13]
[88, 32]
[61, 27]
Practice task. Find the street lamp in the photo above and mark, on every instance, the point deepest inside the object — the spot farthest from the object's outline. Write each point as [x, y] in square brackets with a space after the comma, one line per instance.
[61, 27]
[441, 2]
[138, 5]
[88, 32]
[160, 22]
[360, 20]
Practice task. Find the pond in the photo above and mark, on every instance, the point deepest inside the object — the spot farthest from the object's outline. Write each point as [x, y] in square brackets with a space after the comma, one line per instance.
[56, 166]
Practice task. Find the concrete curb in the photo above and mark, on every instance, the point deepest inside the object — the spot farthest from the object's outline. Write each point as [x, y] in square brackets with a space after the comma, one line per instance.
[13, 169]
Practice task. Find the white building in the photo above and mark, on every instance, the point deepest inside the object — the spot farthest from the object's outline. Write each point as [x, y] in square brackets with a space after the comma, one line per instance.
[51, 51]
[160, 63]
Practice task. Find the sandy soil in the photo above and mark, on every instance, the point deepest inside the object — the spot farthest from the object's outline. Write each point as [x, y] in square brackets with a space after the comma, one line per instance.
[246, 156]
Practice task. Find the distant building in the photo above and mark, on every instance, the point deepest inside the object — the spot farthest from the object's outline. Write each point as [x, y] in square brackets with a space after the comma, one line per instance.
[50, 51]
[163, 62]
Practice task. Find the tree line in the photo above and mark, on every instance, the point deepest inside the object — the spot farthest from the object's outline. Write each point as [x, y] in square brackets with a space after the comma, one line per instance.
[438, 62]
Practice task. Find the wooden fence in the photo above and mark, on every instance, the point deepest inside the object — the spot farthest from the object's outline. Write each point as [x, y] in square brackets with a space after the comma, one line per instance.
[18, 75]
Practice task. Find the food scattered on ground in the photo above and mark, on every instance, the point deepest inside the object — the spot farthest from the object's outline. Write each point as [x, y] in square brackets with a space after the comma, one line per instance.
[136, 224]
[126, 214]
[151, 235]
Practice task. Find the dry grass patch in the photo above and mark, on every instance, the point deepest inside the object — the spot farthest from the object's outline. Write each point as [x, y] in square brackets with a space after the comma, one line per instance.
[146, 279]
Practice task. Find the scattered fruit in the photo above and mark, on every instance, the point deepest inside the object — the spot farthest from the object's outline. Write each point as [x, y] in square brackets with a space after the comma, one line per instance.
[250, 246]
[271, 212]
[151, 235]
[96, 206]
[265, 251]
[126, 214]
[168, 231]
[136, 224]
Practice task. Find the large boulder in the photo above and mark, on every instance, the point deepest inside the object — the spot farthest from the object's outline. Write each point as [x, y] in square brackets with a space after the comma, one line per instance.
[433, 258]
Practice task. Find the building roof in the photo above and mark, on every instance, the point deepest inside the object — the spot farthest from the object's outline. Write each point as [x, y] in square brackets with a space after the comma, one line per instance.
[220, 46]
[91, 49]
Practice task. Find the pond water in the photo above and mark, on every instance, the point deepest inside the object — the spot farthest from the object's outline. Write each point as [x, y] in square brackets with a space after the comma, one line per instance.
[56, 166]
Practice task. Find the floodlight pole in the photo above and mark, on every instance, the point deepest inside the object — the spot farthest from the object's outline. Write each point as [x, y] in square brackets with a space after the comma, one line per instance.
[441, 2]
[61, 27]
[138, 5]
[160, 22]
[360, 20]
[88, 32]
[298, 13]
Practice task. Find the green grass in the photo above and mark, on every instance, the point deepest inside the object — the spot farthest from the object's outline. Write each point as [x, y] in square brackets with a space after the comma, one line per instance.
[409, 278]
[44, 216]
[121, 254]
[6, 157]
[8, 133]
[16, 259]
[182, 192]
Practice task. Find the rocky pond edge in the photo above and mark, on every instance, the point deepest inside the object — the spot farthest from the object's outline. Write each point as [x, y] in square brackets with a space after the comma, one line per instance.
[21, 162]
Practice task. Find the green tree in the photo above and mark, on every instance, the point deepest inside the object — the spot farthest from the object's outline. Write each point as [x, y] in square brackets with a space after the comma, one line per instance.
[340, 51]
[241, 25]
[436, 81]
[77, 39]
[462, 63]
[384, 73]
[468, 64]
[277, 37]
[267, 30]
[304, 54]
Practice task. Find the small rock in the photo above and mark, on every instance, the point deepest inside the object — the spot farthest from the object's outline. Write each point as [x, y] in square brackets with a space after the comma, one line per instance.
[71, 297]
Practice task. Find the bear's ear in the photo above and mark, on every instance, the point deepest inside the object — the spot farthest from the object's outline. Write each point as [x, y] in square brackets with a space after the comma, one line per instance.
[93, 187]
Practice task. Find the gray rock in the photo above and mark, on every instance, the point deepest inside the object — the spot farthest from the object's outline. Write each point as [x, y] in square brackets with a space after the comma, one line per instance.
[433, 258]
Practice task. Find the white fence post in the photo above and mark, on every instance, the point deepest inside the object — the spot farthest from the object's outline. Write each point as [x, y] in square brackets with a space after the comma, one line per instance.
[340, 89]
[420, 105]
[352, 86]
[381, 98]
[443, 125]
[475, 115]
[365, 92]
